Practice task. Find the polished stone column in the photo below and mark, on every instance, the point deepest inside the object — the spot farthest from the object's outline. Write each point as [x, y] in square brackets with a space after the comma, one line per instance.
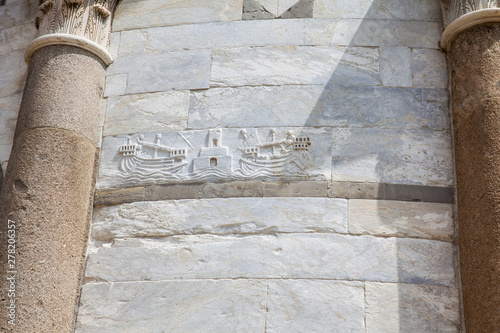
[472, 39]
[46, 198]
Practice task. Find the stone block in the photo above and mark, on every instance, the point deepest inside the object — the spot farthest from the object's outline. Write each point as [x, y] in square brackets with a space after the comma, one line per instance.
[233, 189]
[164, 71]
[8, 116]
[154, 112]
[424, 10]
[401, 219]
[115, 85]
[301, 9]
[300, 256]
[411, 308]
[17, 13]
[383, 107]
[420, 193]
[133, 14]
[13, 71]
[220, 216]
[315, 105]
[296, 189]
[429, 69]
[295, 65]
[228, 154]
[395, 66]
[366, 190]
[315, 306]
[173, 306]
[16, 38]
[114, 44]
[210, 35]
[392, 156]
[373, 32]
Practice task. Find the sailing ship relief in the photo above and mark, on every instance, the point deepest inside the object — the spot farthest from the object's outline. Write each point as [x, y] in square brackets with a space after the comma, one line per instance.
[250, 157]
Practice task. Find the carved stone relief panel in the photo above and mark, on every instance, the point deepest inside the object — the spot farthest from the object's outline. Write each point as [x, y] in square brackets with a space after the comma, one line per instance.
[85, 18]
[216, 154]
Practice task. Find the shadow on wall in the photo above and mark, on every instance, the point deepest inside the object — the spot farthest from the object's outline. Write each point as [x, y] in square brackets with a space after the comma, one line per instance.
[388, 110]
[1, 177]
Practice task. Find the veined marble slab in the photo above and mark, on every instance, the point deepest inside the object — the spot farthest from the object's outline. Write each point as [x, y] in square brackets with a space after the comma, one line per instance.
[395, 66]
[304, 256]
[163, 71]
[295, 65]
[373, 32]
[411, 308]
[423, 10]
[159, 112]
[134, 14]
[220, 216]
[421, 157]
[173, 306]
[216, 154]
[403, 219]
[213, 35]
[315, 306]
[316, 105]
[13, 71]
[429, 68]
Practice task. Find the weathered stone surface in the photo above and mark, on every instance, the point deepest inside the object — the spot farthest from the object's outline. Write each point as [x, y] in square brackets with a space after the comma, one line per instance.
[393, 156]
[304, 256]
[315, 306]
[64, 77]
[301, 9]
[5, 151]
[115, 85]
[429, 69]
[411, 308]
[395, 66]
[402, 219]
[296, 189]
[232, 162]
[209, 35]
[319, 106]
[425, 10]
[8, 116]
[295, 65]
[370, 32]
[114, 44]
[254, 10]
[436, 194]
[164, 71]
[13, 71]
[133, 14]
[220, 216]
[173, 306]
[16, 38]
[16, 13]
[51, 211]
[155, 112]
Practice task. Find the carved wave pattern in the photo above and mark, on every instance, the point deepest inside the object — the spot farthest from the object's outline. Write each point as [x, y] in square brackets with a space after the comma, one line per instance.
[456, 8]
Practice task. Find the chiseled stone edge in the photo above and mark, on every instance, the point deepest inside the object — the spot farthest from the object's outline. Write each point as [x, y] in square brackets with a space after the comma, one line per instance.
[235, 189]
[467, 21]
[71, 40]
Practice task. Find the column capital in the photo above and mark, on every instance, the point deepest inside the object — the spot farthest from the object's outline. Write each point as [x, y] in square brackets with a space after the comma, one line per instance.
[459, 15]
[82, 23]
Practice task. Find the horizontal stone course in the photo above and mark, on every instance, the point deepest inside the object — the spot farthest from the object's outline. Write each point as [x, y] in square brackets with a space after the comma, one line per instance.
[315, 306]
[411, 308]
[316, 105]
[424, 10]
[164, 71]
[403, 219]
[305, 256]
[146, 112]
[220, 216]
[282, 65]
[173, 306]
[134, 14]
[373, 32]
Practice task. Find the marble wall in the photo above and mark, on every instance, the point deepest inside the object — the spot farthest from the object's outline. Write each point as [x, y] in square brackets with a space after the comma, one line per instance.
[279, 92]
[17, 30]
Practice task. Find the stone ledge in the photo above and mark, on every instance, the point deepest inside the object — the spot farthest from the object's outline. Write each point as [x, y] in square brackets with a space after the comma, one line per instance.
[236, 189]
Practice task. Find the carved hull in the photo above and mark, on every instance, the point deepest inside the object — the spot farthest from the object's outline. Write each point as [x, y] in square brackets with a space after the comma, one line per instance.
[166, 164]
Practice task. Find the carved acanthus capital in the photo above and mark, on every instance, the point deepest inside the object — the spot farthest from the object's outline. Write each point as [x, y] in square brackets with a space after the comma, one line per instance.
[80, 23]
[459, 15]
